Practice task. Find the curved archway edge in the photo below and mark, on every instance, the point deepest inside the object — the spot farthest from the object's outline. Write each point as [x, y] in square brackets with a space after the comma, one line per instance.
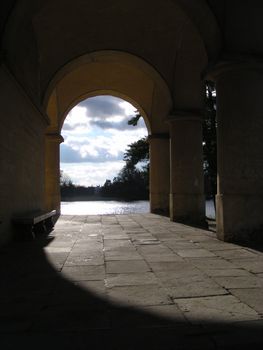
[107, 93]
[109, 72]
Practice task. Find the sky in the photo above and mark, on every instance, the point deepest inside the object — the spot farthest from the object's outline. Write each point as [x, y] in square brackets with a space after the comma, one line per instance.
[96, 134]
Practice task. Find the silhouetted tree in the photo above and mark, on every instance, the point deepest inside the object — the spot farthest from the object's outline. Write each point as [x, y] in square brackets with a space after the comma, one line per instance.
[210, 141]
[65, 180]
[132, 182]
[137, 152]
[69, 190]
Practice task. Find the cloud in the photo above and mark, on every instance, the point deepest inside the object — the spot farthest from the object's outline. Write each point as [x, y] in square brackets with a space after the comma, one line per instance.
[108, 125]
[69, 155]
[74, 127]
[88, 153]
[103, 112]
[97, 132]
[106, 106]
[90, 174]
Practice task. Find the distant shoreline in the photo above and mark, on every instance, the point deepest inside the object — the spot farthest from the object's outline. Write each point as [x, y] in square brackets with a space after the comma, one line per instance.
[99, 198]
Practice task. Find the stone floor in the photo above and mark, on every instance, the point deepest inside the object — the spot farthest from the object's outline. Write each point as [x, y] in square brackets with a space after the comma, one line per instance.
[130, 282]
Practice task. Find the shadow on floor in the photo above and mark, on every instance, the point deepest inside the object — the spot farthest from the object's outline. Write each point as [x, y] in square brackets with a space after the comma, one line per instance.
[39, 309]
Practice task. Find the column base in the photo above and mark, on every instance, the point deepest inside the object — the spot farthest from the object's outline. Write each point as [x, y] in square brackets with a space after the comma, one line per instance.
[239, 218]
[159, 203]
[188, 209]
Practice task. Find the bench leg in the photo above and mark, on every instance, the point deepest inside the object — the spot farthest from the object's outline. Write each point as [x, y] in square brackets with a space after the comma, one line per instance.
[49, 224]
[40, 228]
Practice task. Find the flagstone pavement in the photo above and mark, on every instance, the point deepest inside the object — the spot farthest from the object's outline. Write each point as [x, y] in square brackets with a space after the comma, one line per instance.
[130, 282]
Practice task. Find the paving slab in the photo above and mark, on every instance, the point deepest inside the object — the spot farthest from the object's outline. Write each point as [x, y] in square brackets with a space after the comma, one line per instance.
[250, 296]
[211, 263]
[224, 308]
[152, 249]
[172, 266]
[235, 253]
[123, 251]
[126, 266]
[181, 244]
[254, 265]
[181, 269]
[240, 282]
[115, 236]
[84, 273]
[117, 256]
[166, 236]
[218, 245]
[83, 260]
[139, 295]
[130, 279]
[227, 272]
[161, 258]
[120, 243]
[196, 287]
[195, 253]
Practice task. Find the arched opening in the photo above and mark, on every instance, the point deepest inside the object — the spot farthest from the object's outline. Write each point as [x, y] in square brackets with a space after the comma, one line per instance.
[109, 73]
[104, 159]
[210, 154]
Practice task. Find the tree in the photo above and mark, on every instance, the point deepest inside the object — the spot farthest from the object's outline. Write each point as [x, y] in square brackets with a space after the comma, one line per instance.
[137, 152]
[65, 180]
[132, 182]
[134, 120]
[210, 140]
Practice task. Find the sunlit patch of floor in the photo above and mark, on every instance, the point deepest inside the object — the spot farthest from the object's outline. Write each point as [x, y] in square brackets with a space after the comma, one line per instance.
[144, 260]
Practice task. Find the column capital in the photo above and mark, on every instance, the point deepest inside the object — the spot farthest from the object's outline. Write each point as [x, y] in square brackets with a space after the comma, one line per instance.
[159, 136]
[185, 115]
[53, 137]
[229, 63]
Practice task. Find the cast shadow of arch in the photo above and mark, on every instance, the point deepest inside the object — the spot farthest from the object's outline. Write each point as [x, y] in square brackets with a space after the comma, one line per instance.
[41, 309]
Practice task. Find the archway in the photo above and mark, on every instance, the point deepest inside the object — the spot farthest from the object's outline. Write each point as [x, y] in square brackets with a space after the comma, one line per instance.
[122, 75]
[104, 159]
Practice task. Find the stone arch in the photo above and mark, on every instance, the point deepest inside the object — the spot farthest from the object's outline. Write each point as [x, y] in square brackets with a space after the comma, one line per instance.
[120, 73]
[105, 72]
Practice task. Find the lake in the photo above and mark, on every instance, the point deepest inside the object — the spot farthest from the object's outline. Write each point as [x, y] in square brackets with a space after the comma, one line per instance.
[115, 207]
[104, 207]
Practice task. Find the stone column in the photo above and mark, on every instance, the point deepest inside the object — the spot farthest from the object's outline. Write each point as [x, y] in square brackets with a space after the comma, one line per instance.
[239, 200]
[52, 171]
[187, 201]
[159, 173]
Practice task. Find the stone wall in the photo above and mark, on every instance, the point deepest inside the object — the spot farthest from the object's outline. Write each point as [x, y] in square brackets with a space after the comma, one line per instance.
[22, 129]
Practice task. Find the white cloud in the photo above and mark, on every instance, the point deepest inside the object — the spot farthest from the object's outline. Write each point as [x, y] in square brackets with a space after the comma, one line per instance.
[127, 108]
[91, 174]
[77, 119]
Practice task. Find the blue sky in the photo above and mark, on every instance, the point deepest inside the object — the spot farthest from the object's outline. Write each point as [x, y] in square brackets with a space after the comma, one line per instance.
[96, 134]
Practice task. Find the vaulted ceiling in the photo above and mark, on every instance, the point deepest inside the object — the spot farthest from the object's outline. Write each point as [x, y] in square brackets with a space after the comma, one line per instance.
[178, 38]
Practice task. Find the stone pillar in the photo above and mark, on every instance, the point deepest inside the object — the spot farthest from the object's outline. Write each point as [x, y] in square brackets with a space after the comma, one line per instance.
[52, 172]
[187, 201]
[239, 199]
[159, 173]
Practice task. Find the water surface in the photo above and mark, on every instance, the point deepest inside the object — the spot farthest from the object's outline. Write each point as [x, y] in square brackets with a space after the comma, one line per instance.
[116, 207]
[104, 207]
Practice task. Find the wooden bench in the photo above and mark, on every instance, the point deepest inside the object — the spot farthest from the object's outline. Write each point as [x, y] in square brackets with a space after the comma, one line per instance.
[29, 224]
